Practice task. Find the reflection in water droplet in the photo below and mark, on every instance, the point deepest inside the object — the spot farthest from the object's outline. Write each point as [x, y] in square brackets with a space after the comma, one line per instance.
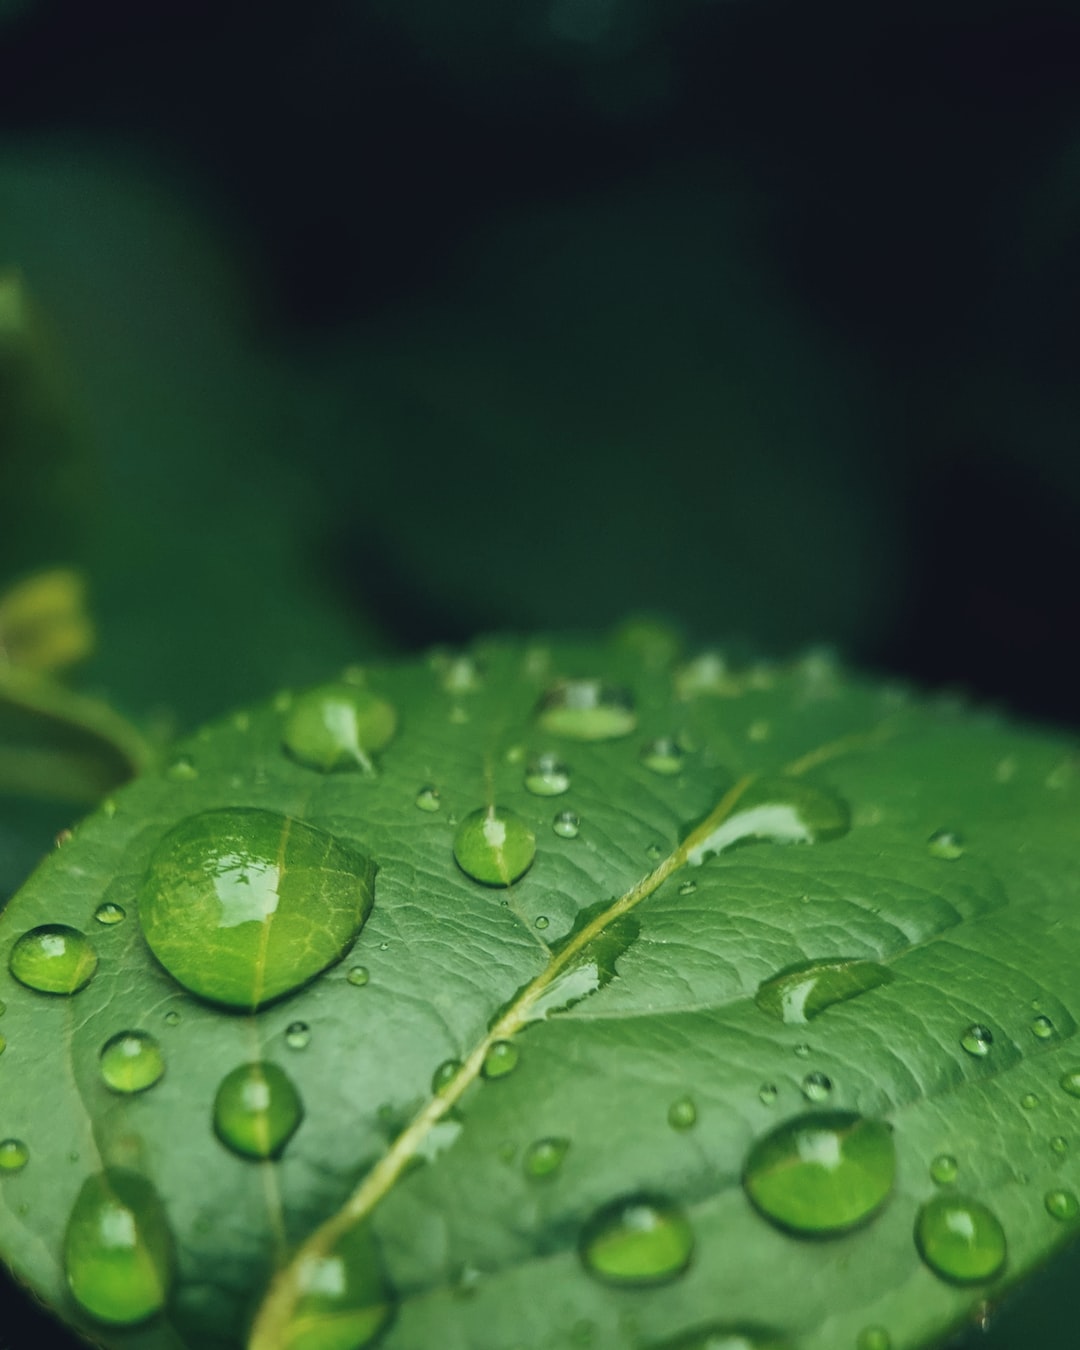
[727, 1336]
[501, 1059]
[428, 799]
[640, 1240]
[959, 1239]
[946, 844]
[682, 1114]
[662, 756]
[118, 1251]
[1042, 1027]
[297, 1035]
[338, 726]
[14, 1155]
[566, 825]
[943, 1169]
[1029, 1101]
[977, 1040]
[547, 776]
[53, 959]
[358, 976]
[777, 811]
[768, 1094]
[131, 1061]
[257, 1110]
[587, 710]
[1070, 1081]
[109, 914]
[444, 1075]
[816, 1086]
[346, 1301]
[243, 906]
[544, 1158]
[494, 846]
[1061, 1205]
[182, 769]
[821, 1173]
[802, 992]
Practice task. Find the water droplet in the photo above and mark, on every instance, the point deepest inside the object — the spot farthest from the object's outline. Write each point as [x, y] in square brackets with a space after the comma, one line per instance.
[587, 710]
[662, 756]
[977, 1040]
[358, 976]
[63, 837]
[1042, 1027]
[338, 726]
[767, 1094]
[172, 1018]
[428, 799]
[542, 921]
[257, 1110]
[108, 913]
[705, 674]
[728, 1336]
[777, 811]
[944, 1169]
[547, 776]
[946, 844]
[118, 1251]
[959, 1239]
[108, 807]
[14, 1155]
[654, 853]
[458, 672]
[131, 1061]
[816, 1086]
[53, 959]
[803, 992]
[639, 1240]
[297, 1035]
[243, 906]
[688, 888]
[1029, 1101]
[567, 825]
[821, 1173]
[444, 1075]
[544, 1158]
[182, 769]
[1061, 1205]
[873, 1338]
[346, 1300]
[1070, 1081]
[802, 1050]
[494, 846]
[682, 1114]
[1059, 1145]
[501, 1059]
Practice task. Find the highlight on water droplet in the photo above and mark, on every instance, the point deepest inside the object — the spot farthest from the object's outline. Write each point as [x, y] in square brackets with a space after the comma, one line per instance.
[501, 1058]
[131, 1061]
[682, 1114]
[816, 1086]
[494, 846]
[728, 1336]
[547, 776]
[946, 844]
[821, 1173]
[338, 726]
[944, 1169]
[14, 1155]
[1061, 1205]
[1042, 1028]
[567, 825]
[298, 1035]
[428, 799]
[53, 959]
[977, 1040]
[663, 756]
[109, 914]
[960, 1239]
[639, 1240]
[544, 1157]
[358, 976]
[257, 1110]
[346, 1300]
[777, 811]
[118, 1250]
[587, 710]
[801, 993]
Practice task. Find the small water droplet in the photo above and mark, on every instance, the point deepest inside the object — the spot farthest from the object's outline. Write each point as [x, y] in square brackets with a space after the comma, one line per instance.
[567, 825]
[821, 1173]
[297, 1035]
[458, 673]
[688, 888]
[1059, 1145]
[172, 1018]
[358, 976]
[977, 1040]
[803, 992]
[768, 1094]
[663, 756]
[654, 853]
[501, 1059]
[873, 1338]
[1029, 1101]
[587, 710]
[816, 1086]
[109, 913]
[802, 1050]
[257, 1110]
[182, 770]
[682, 1114]
[542, 921]
[960, 1239]
[444, 1075]
[131, 1061]
[944, 1169]
[346, 1300]
[108, 807]
[14, 1155]
[1042, 1027]
[53, 959]
[1061, 1205]
[547, 776]
[338, 726]
[1070, 1081]
[544, 1157]
[494, 846]
[946, 844]
[640, 1240]
[428, 799]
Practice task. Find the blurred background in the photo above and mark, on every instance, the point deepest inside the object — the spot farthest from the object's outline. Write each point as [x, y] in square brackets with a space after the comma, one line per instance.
[350, 327]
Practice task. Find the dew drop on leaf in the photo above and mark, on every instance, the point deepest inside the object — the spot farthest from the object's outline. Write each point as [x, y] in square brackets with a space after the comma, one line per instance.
[803, 992]
[727, 1336]
[1061, 1205]
[444, 1075]
[109, 914]
[118, 1251]
[547, 776]
[822, 1173]
[768, 1094]
[567, 825]
[943, 1169]
[1070, 1082]
[172, 1018]
[243, 906]
[945, 844]
[501, 1059]
[53, 959]
[682, 1114]
[663, 756]
[544, 1157]
[654, 853]
[816, 1086]
[494, 846]
[802, 1050]
[257, 1110]
[587, 710]
[960, 1239]
[298, 1035]
[182, 770]
[358, 976]
[1059, 1145]
[688, 888]
[1042, 1028]
[14, 1155]
[1029, 1101]
[639, 1240]
[338, 726]
[542, 921]
[428, 799]
[131, 1061]
[977, 1040]
[777, 811]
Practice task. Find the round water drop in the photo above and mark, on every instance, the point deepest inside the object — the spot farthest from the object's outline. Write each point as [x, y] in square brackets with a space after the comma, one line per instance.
[802, 1050]
[682, 1114]
[727, 1336]
[943, 1169]
[816, 1086]
[243, 906]
[960, 1239]
[14, 1155]
[118, 1251]
[444, 1075]
[544, 1158]
[358, 976]
[873, 1338]
[257, 1110]
[823, 1173]
[654, 853]
[1059, 1145]
[1029, 1101]
[547, 776]
[172, 1018]
[1062, 1205]
[346, 1301]
[109, 914]
[131, 1061]
[501, 1059]
[977, 1040]
[428, 799]
[1042, 1027]
[663, 756]
[567, 825]
[946, 844]
[338, 726]
[494, 846]
[542, 921]
[298, 1035]
[767, 1094]
[587, 710]
[53, 959]
[1070, 1082]
[640, 1240]
[182, 769]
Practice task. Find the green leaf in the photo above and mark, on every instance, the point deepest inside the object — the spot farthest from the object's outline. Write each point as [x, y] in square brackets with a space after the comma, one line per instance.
[692, 1076]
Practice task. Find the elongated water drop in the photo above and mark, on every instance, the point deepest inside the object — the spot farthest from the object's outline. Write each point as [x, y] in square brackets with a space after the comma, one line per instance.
[346, 1301]
[547, 776]
[544, 1158]
[257, 1110]
[242, 906]
[131, 1061]
[587, 710]
[53, 959]
[803, 992]
[960, 1239]
[494, 846]
[338, 726]
[640, 1240]
[777, 811]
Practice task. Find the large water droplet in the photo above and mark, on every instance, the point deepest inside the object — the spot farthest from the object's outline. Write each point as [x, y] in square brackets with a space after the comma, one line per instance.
[587, 710]
[428, 799]
[803, 992]
[663, 756]
[544, 1158]
[14, 1155]
[639, 1240]
[821, 1173]
[257, 1110]
[501, 1059]
[960, 1239]
[727, 1336]
[777, 811]
[346, 1301]
[1061, 1205]
[131, 1061]
[567, 824]
[494, 846]
[338, 726]
[53, 959]
[109, 914]
[946, 844]
[118, 1251]
[547, 776]
[977, 1040]
[242, 906]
